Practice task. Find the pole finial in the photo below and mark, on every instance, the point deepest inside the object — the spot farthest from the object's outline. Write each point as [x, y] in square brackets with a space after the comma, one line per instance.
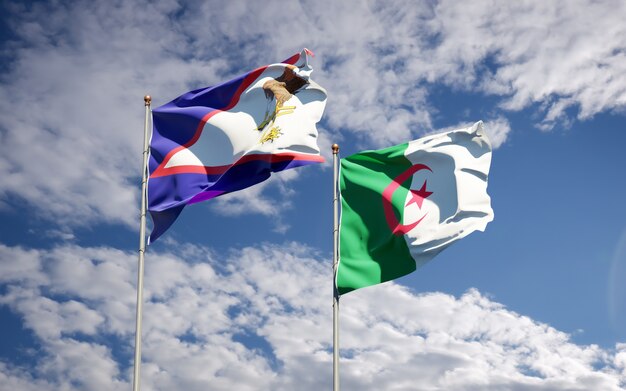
[147, 99]
[335, 149]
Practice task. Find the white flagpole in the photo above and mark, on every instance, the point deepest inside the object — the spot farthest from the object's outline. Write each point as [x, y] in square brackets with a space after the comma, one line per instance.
[335, 259]
[142, 246]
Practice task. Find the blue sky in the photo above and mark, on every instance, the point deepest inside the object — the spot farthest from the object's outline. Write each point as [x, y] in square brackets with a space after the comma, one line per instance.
[238, 292]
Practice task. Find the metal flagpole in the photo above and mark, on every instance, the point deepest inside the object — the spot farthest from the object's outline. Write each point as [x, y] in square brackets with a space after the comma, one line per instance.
[335, 259]
[142, 246]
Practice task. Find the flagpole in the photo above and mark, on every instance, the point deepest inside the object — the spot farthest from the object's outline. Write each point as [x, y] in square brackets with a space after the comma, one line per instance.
[142, 246]
[335, 259]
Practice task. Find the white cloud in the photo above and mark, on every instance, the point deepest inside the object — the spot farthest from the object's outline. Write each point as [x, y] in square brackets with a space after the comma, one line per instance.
[260, 318]
[64, 234]
[550, 53]
[256, 200]
[498, 130]
[72, 129]
[253, 199]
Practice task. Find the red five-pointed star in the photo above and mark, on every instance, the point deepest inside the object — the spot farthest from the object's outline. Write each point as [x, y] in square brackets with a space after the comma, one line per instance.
[419, 196]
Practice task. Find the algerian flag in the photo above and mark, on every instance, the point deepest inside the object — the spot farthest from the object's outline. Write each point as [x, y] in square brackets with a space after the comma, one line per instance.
[400, 206]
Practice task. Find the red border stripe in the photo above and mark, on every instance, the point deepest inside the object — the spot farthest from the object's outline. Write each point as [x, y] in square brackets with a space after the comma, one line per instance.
[219, 170]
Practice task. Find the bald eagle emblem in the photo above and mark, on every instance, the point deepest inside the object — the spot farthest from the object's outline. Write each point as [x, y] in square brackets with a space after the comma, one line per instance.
[279, 91]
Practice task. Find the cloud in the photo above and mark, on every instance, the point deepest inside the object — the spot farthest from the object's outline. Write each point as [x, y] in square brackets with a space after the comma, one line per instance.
[550, 54]
[256, 199]
[59, 234]
[498, 130]
[260, 318]
[71, 130]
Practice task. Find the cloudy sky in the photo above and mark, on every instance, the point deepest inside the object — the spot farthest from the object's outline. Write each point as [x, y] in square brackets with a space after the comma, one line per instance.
[238, 292]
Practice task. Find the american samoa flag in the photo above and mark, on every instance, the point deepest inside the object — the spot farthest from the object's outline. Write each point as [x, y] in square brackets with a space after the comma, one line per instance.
[227, 137]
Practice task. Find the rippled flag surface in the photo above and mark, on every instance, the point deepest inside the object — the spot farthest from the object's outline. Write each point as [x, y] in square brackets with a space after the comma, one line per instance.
[227, 137]
[401, 206]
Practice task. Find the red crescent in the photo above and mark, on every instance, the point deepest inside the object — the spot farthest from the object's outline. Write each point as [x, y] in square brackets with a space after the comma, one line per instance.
[396, 227]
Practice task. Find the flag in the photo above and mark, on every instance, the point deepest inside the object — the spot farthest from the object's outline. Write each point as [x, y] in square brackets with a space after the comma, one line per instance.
[227, 137]
[402, 205]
